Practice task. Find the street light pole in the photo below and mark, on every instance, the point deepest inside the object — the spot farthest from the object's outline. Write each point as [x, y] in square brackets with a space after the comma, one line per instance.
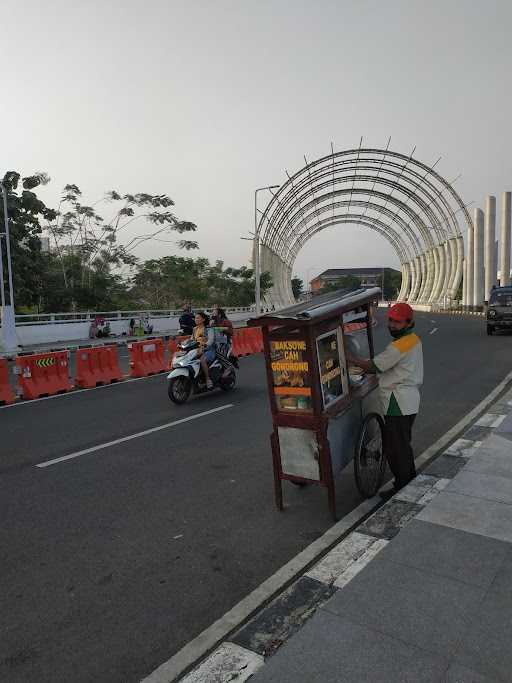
[9, 339]
[257, 269]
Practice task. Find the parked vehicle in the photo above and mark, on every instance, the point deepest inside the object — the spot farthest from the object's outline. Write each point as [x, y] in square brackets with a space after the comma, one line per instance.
[186, 376]
[499, 310]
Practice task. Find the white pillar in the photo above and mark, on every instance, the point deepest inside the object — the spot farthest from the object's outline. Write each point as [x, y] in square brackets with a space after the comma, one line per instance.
[406, 281]
[470, 270]
[417, 279]
[412, 268]
[426, 290]
[457, 261]
[435, 280]
[423, 266]
[489, 245]
[447, 272]
[465, 282]
[505, 239]
[436, 298]
[478, 257]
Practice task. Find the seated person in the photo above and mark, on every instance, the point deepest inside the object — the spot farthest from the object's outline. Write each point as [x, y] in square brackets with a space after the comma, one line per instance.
[221, 321]
[205, 337]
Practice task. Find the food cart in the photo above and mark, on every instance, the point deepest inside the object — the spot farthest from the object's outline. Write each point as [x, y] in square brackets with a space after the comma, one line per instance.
[324, 412]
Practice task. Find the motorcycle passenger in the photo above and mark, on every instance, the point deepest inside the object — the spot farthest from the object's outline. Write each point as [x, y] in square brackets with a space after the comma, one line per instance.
[221, 321]
[205, 336]
[186, 320]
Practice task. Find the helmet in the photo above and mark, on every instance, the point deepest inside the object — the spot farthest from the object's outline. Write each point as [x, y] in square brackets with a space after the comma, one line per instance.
[401, 312]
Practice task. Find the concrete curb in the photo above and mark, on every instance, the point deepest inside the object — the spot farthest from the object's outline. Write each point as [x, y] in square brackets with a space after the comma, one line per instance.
[238, 644]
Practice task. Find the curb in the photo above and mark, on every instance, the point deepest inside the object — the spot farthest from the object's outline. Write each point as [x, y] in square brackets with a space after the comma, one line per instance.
[239, 643]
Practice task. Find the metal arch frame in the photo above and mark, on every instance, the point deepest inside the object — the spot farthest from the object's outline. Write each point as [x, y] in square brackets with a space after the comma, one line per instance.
[434, 220]
[420, 222]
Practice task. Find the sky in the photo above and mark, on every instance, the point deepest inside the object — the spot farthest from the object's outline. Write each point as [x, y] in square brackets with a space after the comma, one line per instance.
[207, 100]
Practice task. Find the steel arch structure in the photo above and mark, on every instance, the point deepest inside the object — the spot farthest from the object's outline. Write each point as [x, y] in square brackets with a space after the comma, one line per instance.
[399, 197]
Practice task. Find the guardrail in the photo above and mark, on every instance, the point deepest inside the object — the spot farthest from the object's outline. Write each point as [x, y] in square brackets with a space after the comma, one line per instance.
[80, 316]
[64, 327]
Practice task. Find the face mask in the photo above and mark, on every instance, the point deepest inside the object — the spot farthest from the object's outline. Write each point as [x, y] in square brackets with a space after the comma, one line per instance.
[396, 334]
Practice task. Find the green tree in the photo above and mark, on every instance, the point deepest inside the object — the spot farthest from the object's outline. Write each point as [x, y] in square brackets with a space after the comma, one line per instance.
[25, 213]
[392, 283]
[297, 287]
[169, 281]
[81, 232]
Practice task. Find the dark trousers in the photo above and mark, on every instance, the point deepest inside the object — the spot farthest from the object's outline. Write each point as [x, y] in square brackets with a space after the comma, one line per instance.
[397, 448]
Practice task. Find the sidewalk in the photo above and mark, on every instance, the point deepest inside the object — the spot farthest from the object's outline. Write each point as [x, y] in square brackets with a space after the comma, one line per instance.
[420, 592]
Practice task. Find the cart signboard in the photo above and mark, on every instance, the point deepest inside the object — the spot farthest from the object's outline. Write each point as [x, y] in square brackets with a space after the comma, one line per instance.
[291, 375]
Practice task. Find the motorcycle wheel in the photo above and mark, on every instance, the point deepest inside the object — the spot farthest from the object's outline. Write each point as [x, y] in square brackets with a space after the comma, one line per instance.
[179, 389]
[228, 383]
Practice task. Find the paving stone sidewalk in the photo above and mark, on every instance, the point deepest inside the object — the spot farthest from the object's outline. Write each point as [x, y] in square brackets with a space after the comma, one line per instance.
[420, 592]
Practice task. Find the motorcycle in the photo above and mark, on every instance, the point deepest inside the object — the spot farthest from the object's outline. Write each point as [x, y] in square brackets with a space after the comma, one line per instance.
[187, 377]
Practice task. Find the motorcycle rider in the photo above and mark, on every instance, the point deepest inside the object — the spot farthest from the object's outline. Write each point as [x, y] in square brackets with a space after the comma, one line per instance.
[205, 337]
[186, 320]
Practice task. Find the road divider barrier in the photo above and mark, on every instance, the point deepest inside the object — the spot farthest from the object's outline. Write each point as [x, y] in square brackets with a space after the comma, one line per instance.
[247, 340]
[47, 374]
[146, 357]
[97, 365]
[43, 374]
[6, 392]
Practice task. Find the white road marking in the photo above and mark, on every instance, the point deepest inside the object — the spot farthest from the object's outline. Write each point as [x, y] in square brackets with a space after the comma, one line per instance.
[434, 330]
[124, 439]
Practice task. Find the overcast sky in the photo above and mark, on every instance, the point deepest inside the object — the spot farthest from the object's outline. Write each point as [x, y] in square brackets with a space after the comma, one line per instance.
[206, 100]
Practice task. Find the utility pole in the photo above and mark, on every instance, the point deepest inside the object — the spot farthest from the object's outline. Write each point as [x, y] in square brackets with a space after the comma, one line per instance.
[257, 273]
[9, 340]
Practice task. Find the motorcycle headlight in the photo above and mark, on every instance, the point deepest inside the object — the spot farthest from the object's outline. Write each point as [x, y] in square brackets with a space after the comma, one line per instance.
[492, 313]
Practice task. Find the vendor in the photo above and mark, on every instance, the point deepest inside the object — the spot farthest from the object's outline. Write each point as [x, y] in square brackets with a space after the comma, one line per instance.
[400, 371]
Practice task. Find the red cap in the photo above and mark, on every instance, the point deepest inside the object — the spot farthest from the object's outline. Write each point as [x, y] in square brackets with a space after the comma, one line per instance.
[401, 312]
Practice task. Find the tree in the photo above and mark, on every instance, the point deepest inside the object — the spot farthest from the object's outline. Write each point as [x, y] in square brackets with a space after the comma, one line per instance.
[297, 287]
[81, 232]
[25, 213]
[169, 281]
[392, 283]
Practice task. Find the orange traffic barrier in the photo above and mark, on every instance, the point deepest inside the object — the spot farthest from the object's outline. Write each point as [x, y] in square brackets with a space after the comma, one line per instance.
[43, 374]
[97, 365]
[242, 342]
[256, 339]
[146, 357]
[6, 392]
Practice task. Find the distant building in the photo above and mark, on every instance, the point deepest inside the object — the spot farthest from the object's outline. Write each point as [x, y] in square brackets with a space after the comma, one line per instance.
[369, 277]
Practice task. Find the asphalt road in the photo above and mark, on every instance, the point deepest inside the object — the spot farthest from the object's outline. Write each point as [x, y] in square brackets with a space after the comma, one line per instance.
[113, 560]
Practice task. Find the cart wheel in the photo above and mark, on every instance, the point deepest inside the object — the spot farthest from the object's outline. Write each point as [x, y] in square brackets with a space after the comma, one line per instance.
[369, 461]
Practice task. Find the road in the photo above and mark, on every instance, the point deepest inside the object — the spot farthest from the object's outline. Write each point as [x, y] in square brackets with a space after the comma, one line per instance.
[114, 559]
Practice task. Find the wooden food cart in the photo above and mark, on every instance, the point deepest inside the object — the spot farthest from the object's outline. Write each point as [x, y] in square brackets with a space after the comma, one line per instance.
[324, 412]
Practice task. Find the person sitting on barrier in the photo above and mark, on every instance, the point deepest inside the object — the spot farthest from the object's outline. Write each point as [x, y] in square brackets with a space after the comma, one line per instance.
[205, 337]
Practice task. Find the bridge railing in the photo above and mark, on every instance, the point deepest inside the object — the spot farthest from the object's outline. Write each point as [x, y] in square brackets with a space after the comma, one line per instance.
[63, 327]
[89, 316]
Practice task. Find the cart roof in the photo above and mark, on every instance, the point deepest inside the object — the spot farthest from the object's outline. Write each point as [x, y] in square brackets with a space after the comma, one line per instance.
[319, 308]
